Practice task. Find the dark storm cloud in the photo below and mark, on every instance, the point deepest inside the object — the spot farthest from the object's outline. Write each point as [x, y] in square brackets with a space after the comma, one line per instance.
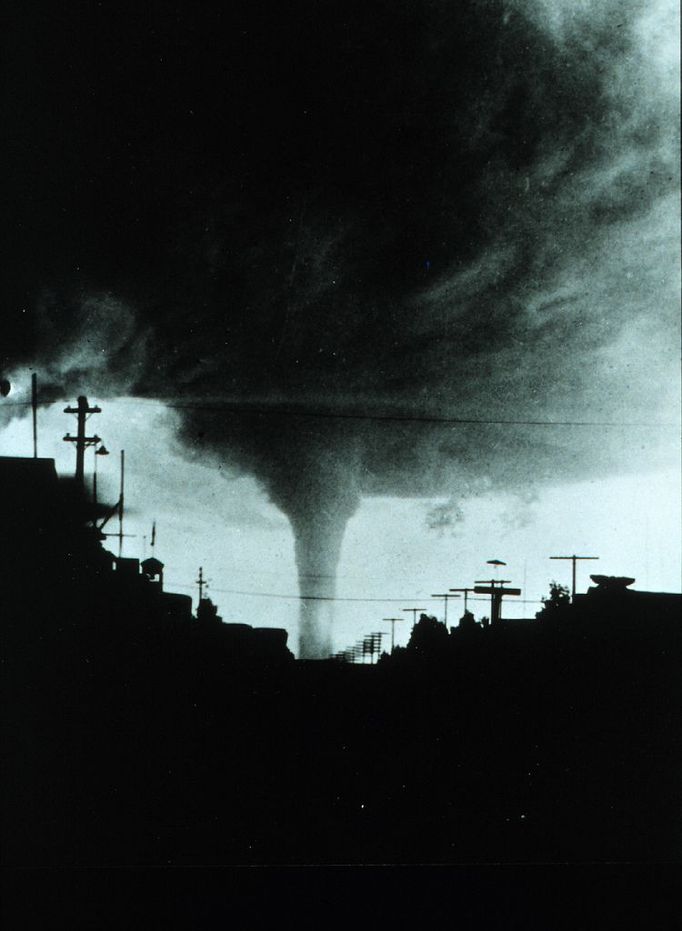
[391, 206]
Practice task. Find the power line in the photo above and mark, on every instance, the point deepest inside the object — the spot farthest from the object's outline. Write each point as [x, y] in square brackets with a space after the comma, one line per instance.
[402, 418]
[388, 418]
[232, 591]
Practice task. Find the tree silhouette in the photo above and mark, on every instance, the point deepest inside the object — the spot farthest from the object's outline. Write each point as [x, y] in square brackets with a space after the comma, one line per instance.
[556, 604]
[428, 636]
[467, 621]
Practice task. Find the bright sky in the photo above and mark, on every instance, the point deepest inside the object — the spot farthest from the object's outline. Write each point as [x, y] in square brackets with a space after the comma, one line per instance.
[245, 545]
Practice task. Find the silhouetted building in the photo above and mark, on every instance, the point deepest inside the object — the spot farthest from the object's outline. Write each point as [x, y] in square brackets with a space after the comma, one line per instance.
[127, 568]
[271, 640]
[176, 607]
[611, 601]
[49, 522]
[152, 569]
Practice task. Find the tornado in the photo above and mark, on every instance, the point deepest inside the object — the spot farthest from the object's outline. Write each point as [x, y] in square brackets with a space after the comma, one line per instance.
[318, 519]
[313, 473]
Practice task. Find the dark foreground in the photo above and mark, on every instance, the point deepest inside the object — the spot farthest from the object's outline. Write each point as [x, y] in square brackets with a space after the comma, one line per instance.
[125, 746]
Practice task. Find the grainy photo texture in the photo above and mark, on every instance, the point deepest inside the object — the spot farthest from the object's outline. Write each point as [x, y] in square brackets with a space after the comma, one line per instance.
[339, 419]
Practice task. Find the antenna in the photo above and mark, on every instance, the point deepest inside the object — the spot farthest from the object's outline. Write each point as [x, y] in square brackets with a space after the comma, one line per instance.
[574, 559]
[201, 582]
[392, 621]
[34, 406]
[466, 595]
[414, 614]
[117, 510]
[445, 596]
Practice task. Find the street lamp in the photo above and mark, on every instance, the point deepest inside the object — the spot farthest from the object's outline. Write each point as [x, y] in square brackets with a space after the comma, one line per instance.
[100, 451]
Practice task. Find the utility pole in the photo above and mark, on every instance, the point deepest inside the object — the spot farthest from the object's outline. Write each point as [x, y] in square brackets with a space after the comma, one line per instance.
[362, 646]
[377, 637]
[445, 598]
[121, 504]
[201, 582]
[466, 595]
[392, 622]
[372, 645]
[82, 441]
[414, 614]
[367, 647]
[574, 559]
[34, 406]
